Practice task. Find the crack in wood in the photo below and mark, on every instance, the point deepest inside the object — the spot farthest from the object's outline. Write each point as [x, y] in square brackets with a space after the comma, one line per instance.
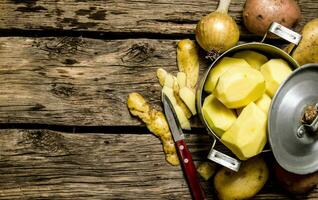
[59, 46]
[30, 9]
[138, 53]
[79, 129]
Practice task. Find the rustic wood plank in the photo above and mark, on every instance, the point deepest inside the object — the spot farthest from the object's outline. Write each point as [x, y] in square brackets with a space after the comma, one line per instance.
[43, 164]
[122, 16]
[77, 81]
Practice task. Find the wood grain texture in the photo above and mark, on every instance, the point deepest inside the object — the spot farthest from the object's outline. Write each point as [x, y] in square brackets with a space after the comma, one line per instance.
[77, 81]
[122, 16]
[42, 164]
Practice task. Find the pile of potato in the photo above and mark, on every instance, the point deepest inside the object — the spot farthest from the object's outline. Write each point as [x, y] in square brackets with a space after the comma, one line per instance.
[240, 90]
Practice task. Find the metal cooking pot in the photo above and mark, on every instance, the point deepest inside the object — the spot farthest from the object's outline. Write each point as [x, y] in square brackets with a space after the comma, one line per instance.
[283, 156]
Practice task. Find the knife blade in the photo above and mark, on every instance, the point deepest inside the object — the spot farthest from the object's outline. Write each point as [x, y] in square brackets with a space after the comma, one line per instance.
[184, 154]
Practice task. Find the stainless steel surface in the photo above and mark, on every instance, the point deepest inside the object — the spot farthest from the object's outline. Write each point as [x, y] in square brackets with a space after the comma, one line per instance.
[172, 119]
[309, 128]
[284, 33]
[296, 151]
[224, 160]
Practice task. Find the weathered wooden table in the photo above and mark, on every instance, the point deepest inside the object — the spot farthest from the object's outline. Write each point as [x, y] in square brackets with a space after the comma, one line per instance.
[66, 68]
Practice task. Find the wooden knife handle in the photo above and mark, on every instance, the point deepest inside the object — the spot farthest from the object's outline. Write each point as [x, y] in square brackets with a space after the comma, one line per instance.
[190, 171]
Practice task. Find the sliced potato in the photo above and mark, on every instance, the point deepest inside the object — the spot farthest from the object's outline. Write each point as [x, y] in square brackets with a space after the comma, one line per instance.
[182, 79]
[264, 103]
[247, 136]
[239, 86]
[188, 97]
[275, 71]
[245, 183]
[219, 117]
[168, 90]
[255, 59]
[161, 75]
[222, 66]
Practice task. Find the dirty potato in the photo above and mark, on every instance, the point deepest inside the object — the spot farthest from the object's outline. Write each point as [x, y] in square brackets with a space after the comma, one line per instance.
[245, 183]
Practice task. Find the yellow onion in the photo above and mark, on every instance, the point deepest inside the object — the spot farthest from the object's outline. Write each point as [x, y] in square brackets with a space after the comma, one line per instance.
[217, 31]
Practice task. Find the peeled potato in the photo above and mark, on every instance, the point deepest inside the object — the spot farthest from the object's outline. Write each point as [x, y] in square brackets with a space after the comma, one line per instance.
[245, 183]
[247, 136]
[219, 117]
[255, 59]
[188, 97]
[275, 71]
[168, 90]
[239, 86]
[222, 66]
[264, 103]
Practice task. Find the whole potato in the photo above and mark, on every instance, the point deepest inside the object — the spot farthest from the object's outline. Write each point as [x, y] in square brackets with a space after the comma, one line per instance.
[307, 50]
[294, 183]
[259, 14]
[245, 183]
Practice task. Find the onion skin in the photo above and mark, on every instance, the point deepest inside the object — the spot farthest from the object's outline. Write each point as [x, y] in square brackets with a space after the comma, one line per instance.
[217, 32]
[259, 14]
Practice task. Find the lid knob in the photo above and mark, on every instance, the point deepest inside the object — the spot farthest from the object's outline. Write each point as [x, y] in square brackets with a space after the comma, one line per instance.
[311, 114]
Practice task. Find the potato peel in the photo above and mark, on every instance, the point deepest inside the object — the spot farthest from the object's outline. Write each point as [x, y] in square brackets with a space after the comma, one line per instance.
[188, 61]
[155, 122]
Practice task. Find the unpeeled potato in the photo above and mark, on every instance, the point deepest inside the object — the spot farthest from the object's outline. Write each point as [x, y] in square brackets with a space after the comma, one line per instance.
[245, 183]
[259, 14]
[294, 183]
[307, 50]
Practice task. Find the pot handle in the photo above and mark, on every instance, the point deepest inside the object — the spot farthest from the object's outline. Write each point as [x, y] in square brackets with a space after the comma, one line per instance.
[283, 32]
[223, 159]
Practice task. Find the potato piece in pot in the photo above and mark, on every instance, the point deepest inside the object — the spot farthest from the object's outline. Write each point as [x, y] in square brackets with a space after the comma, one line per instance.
[218, 117]
[275, 71]
[247, 136]
[222, 66]
[239, 86]
[255, 59]
[264, 103]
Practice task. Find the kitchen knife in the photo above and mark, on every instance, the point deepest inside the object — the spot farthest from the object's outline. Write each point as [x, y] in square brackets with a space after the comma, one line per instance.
[185, 157]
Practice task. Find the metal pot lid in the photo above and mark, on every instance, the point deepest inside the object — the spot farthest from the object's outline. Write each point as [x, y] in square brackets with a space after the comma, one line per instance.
[295, 145]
